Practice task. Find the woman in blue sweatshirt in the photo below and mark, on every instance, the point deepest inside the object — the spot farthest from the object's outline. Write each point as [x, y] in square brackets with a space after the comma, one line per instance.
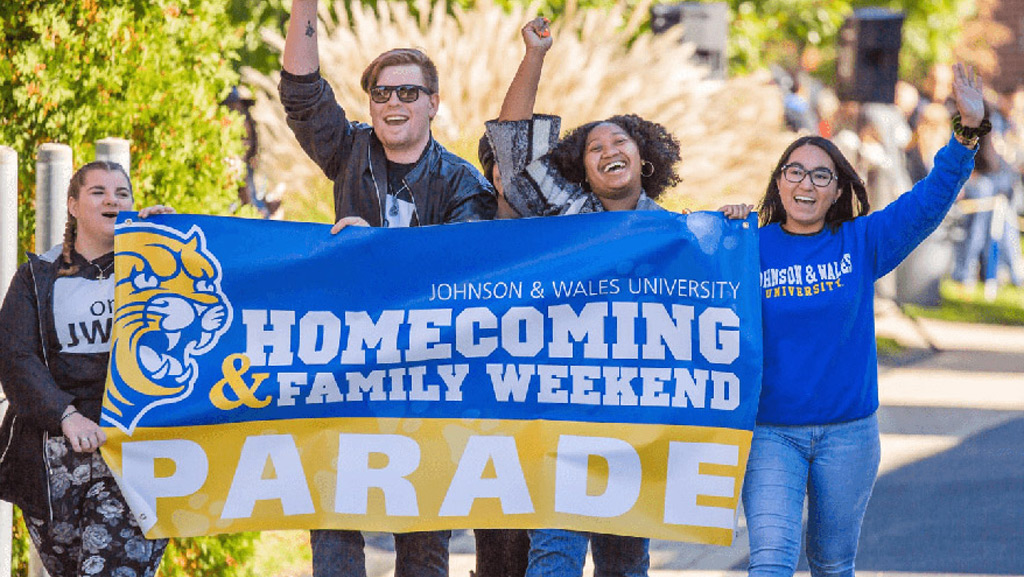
[817, 432]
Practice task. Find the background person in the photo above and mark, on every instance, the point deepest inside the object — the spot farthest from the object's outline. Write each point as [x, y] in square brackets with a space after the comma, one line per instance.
[499, 552]
[54, 378]
[390, 173]
[240, 100]
[817, 429]
[990, 236]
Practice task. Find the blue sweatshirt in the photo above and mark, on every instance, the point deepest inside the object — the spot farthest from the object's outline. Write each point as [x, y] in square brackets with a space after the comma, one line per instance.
[820, 362]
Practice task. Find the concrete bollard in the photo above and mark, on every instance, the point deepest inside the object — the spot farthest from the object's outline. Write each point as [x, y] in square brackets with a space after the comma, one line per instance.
[8, 265]
[8, 217]
[6, 535]
[53, 174]
[115, 150]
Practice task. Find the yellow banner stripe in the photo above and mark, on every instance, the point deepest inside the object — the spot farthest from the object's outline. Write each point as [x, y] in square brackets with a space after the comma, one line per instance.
[252, 502]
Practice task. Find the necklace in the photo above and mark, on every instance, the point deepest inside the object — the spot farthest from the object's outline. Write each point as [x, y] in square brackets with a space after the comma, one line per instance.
[393, 211]
[102, 270]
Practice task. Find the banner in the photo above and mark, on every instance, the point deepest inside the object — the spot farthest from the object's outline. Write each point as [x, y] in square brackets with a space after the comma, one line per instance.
[597, 372]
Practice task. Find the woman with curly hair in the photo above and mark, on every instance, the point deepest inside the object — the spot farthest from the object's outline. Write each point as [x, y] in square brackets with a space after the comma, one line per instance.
[54, 349]
[621, 163]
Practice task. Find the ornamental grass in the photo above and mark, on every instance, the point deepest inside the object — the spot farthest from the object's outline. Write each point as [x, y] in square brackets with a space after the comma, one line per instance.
[602, 63]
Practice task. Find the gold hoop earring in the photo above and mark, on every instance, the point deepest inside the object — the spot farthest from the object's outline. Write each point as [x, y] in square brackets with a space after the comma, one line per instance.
[646, 168]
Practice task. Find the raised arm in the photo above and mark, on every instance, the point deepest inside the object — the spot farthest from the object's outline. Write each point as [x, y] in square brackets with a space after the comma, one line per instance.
[902, 225]
[522, 91]
[301, 52]
[312, 111]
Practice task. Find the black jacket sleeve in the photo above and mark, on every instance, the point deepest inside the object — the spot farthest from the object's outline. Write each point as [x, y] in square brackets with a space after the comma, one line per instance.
[318, 122]
[24, 376]
[472, 197]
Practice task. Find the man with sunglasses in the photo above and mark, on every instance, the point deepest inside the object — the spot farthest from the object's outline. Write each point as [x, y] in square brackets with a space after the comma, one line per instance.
[389, 173]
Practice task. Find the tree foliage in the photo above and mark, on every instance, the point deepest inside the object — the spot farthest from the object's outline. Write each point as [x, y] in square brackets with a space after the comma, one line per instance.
[223, 555]
[764, 32]
[761, 32]
[153, 72]
[931, 31]
[19, 546]
[251, 16]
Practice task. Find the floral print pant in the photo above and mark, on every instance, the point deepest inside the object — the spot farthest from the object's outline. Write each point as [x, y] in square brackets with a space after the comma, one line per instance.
[93, 532]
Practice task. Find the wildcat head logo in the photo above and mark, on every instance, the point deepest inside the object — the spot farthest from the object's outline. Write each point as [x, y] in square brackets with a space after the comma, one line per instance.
[170, 309]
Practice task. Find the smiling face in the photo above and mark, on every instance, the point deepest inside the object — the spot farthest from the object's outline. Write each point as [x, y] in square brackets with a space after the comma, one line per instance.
[612, 162]
[806, 204]
[103, 194]
[403, 127]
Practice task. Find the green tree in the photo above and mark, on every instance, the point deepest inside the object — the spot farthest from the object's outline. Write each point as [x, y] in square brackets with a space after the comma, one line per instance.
[76, 71]
[764, 32]
[222, 555]
[931, 30]
[251, 16]
[761, 32]
[19, 549]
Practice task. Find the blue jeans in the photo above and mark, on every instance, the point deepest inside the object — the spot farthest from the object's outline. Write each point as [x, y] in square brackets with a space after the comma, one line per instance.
[340, 553]
[561, 553]
[834, 466]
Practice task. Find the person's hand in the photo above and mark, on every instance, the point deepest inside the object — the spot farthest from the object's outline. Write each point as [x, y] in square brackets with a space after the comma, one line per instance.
[736, 211]
[967, 91]
[82, 432]
[537, 35]
[156, 209]
[348, 221]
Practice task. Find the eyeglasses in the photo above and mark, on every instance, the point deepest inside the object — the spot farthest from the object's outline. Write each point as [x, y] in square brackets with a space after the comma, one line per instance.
[406, 92]
[795, 173]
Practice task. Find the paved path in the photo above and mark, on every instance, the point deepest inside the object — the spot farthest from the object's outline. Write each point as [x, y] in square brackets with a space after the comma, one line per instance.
[949, 499]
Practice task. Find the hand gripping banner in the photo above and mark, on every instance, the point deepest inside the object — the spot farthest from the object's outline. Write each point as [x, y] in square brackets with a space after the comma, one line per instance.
[596, 372]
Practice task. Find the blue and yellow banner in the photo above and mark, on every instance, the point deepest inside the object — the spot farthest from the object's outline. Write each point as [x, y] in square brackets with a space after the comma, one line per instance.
[597, 372]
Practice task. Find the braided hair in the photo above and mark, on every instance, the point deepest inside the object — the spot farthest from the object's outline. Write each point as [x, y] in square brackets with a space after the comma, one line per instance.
[66, 266]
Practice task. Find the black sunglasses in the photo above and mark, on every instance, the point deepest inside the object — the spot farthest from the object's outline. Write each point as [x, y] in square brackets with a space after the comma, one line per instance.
[406, 92]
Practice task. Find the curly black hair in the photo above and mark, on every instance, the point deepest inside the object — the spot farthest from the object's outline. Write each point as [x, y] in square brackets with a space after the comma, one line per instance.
[853, 197]
[656, 144]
